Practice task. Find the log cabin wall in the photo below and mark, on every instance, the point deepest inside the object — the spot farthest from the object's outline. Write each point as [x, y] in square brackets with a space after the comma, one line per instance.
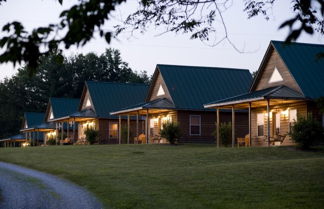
[208, 125]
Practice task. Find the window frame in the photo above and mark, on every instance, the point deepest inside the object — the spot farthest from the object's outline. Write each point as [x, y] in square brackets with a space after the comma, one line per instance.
[190, 125]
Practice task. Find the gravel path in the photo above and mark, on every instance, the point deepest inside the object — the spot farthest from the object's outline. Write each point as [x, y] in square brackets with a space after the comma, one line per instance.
[23, 188]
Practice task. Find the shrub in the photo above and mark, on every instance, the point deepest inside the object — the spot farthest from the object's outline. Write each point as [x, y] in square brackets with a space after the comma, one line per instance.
[51, 142]
[225, 133]
[306, 132]
[171, 131]
[91, 135]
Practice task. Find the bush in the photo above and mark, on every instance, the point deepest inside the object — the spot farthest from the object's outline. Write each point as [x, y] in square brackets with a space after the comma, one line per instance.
[51, 142]
[171, 131]
[91, 135]
[225, 133]
[306, 132]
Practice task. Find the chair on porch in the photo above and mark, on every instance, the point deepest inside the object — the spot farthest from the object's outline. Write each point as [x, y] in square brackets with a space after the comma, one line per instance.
[243, 141]
[140, 139]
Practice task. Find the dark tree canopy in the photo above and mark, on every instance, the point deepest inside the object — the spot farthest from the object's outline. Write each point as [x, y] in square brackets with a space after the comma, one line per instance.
[78, 24]
[58, 78]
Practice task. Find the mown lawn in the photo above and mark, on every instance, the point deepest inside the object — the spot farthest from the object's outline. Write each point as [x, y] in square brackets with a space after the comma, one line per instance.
[185, 176]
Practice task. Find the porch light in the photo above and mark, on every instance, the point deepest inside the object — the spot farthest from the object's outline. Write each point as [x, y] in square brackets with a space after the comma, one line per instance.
[51, 134]
[285, 113]
[25, 144]
[166, 119]
[88, 124]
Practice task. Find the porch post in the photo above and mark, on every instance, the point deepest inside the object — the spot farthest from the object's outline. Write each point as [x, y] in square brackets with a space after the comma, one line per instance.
[68, 129]
[137, 132]
[233, 126]
[62, 130]
[217, 126]
[73, 130]
[146, 127]
[57, 132]
[37, 137]
[268, 121]
[250, 125]
[119, 129]
[128, 128]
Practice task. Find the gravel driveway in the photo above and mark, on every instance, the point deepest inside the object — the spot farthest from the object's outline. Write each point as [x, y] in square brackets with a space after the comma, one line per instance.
[23, 188]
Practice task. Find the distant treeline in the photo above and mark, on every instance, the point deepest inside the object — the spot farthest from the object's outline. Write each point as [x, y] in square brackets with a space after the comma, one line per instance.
[58, 76]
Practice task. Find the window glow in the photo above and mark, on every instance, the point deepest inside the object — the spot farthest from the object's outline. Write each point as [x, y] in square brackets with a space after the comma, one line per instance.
[260, 119]
[88, 125]
[278, 120]
[25, 144]
[292, 115]
[51, 114]
[153, 122]
[275, 77]
[160, 91]
[88, 102]
[113, 130]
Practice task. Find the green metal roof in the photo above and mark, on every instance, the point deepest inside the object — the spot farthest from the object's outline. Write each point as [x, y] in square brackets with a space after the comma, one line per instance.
[305, 66]
[192, 86]
[108, 96]
[278, 92]
[33, 118]
[63, 106]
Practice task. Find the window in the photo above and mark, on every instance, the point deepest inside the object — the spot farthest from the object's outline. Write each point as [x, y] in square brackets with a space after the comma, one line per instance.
[51, 114]
[160, 91]
[195, 125]
[113, 130]
[275, 77]
[277, 122]
[292, 117]
[88, 103]
[260, 124]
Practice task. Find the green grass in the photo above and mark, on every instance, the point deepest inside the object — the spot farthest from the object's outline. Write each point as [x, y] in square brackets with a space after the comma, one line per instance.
[186, 176]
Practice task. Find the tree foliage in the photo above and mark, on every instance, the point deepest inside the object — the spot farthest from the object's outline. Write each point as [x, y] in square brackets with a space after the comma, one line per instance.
[79, 23]
[58, 78]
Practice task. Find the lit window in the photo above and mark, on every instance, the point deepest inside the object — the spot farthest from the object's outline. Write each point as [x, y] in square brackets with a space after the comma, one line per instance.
[292, 118]
[292, 115]
[260, 124]
[277, 122]
[160, 91]
[195, 125]
[113, 130]
[275, 77]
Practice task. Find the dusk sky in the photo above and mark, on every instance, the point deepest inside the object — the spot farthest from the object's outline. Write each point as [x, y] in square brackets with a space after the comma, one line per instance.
[144, 51]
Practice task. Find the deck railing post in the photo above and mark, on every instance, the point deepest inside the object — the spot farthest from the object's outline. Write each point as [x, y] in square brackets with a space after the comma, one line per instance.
[119, 129]
[268, 121]
[217, 127]
[250, 125]
[233, 126]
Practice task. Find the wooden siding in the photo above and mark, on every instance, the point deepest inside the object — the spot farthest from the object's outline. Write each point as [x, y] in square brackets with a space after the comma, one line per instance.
[274, 61]
[284, 121]
[208, 125]
[159, 81]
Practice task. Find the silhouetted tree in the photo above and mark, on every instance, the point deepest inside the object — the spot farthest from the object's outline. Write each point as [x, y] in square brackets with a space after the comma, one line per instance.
[78, 24]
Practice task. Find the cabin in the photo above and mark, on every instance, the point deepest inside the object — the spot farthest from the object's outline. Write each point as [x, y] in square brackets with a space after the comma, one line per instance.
[14, 141]
[33, 128]
[289, 80]
[98, 99]
[62, 133]
[177, 94]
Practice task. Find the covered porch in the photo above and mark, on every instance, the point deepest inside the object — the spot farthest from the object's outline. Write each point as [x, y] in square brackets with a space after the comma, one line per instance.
[37, 135]
[272, 112]
[156, 113]
[70, 129]
[14, 141]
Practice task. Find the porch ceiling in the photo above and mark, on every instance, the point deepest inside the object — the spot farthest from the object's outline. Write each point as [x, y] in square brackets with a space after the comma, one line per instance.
[276, 95]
